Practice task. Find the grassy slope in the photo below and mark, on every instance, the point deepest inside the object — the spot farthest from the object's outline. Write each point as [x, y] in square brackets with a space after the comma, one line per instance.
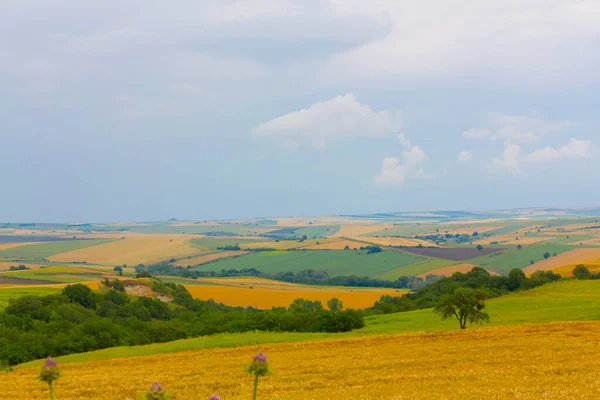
[335, 263]
[14, 292]
[515, 258]
[564, 301]
[43, 250]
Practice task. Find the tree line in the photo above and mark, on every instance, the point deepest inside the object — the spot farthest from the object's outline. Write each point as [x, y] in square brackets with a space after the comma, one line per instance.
[80, 320]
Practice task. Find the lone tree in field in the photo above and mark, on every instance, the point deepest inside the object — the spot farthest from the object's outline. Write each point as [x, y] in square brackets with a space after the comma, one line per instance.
[465, 304]
[479, 247]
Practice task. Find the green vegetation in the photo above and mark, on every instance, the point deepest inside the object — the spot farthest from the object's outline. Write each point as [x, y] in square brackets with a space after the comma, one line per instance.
[424, 265]
[80, 320]
[334, 263]
[569, 300]
[40, 251]
[15, 292]
[465, 304]
[215, 243]
[516, 258]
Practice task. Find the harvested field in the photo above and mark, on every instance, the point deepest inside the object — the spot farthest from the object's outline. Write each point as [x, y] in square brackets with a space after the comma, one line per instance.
[573, 257]
[567, 270]
[133, 250]
[451, 253]
[351, 230]
[449, 270]
[561, 363]
[203, 259]
[284, 295]
[335, 245]
[8, 245]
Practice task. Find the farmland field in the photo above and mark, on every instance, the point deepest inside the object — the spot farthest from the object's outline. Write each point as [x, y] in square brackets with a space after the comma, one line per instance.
[284, 295]
[133, 250]
[335, 263]
[336, 369]
[205, 258]
[569, 258]
[45, 250]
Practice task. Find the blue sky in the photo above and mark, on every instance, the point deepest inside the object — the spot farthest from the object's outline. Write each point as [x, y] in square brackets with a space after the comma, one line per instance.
[227, 109]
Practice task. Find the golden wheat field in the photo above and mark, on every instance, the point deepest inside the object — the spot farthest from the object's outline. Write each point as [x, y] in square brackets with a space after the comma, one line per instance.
[284, 295]
[550, 361]
[133, 250]
[572, 257]
[4, 246]
[567, 270]
[202, 259]
[246, 282]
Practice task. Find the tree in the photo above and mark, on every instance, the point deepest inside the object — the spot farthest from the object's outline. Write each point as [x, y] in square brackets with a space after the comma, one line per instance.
[519, 247]
[119, 270]
[347, 247]
[335, 304]
[546, 255]
[465, 304]
[581, 272]
[479, 247]
[81, 295]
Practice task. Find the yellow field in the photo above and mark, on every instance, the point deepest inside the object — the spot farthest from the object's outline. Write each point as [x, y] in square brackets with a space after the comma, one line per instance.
[247, 282]
[284, 295]
[449, 270]
[550, 361]
[359, 230]
[4, 246]
[337, 245]
[386, 241]
[134, 250]
[208, 257]
[573, 257]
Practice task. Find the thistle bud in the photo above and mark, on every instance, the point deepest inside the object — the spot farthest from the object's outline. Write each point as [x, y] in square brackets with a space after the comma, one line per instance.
[156, 392]
[214, 397]
[50, 371]
[259, 365]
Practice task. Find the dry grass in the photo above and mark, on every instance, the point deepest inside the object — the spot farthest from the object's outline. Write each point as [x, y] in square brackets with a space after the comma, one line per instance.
[394, 241]
[449, 270]
[573, 257]
[4, 246]
[550, 361]
[337, 245]
[359, 230]
[567, 270]
[5, 265]
[203, 259]
[284, 295]
[144, 249]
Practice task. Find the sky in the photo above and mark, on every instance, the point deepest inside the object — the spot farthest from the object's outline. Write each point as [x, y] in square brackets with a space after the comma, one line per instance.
[143, 110]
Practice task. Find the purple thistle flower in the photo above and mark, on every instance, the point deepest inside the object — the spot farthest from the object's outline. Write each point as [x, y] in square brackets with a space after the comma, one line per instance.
[261, 357]
[50, 363]
[214, 397]
[156, 392]
[155, 387]
[259, 365]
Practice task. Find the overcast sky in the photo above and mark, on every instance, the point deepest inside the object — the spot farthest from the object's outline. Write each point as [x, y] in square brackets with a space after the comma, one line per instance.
[146, 110]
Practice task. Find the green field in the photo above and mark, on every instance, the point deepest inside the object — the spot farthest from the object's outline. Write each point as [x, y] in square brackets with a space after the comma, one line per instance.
[335, 263]
[419, 267]
[55, 274]
[32, 252]
[12, 293]
[514, 258]
[563, 301]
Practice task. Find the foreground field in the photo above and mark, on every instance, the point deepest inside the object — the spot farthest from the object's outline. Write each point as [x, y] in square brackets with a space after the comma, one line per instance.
[553, 361]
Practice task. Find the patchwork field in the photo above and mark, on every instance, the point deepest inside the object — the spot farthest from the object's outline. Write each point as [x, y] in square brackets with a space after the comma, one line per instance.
[360, 230]
[203, 259]
[561, 363]
[284, 295]
[40, 251]
[569, 258]
[393, 241]
[133, 250]
[335, 263]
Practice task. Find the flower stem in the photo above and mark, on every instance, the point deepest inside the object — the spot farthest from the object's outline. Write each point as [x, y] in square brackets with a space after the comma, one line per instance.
[255, 386]
[51, 391]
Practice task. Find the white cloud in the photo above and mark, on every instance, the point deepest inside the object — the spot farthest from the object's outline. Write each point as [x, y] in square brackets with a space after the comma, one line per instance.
[509, 132]
[510, 158]
[465, 156]
[574, 149]
[477, 133]
[341, 116]
[394, 171]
